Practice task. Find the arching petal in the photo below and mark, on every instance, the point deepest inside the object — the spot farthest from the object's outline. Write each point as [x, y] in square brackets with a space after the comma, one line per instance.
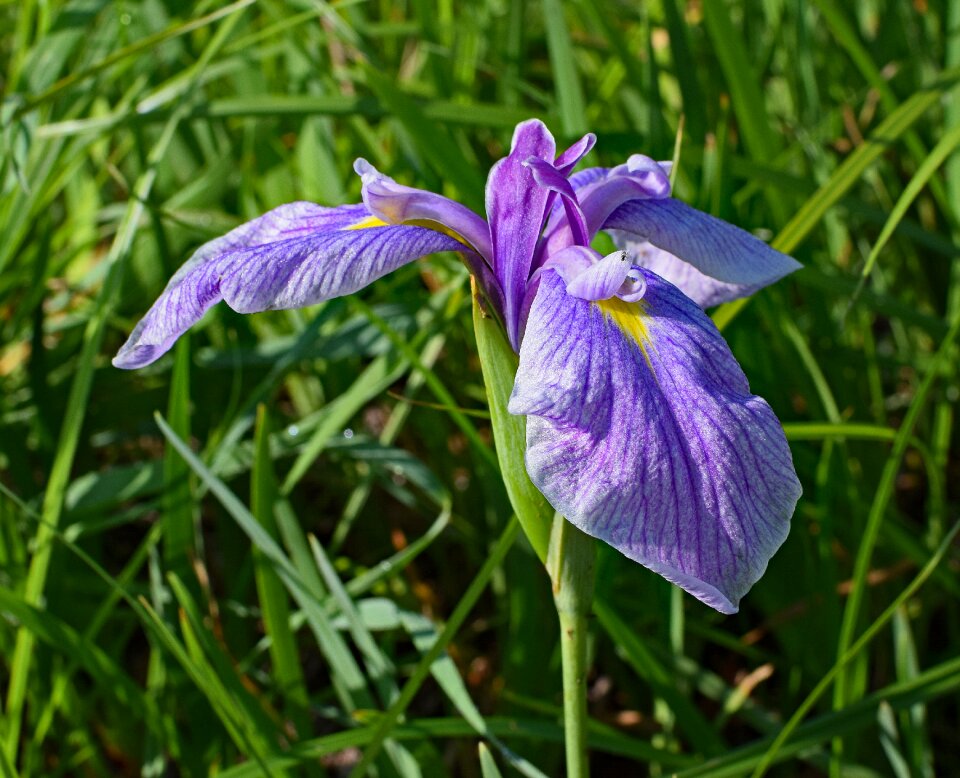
[642, 431]
[292, 256]
[547, 176]
[702, 289]
[639, 178]
[515, 210]
[587, 176]
[601, 280]
[714, 247]
[569, 159]
[395, 203]
[578, 181]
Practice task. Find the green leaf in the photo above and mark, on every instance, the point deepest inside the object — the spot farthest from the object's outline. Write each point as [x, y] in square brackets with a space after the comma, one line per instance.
[284, 654]
[179, 535]
[564, 66]
[488, 765]
[745, 88]
[499, 365]
[924, 173]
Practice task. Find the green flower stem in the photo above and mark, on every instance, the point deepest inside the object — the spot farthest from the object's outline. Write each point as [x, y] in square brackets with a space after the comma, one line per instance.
[568, 553]
[572, 564]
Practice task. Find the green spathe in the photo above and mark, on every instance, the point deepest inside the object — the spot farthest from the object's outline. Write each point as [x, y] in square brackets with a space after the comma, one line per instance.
[499, 364]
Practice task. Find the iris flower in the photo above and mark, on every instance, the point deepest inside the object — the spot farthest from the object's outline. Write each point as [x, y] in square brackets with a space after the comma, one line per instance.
[641, 428]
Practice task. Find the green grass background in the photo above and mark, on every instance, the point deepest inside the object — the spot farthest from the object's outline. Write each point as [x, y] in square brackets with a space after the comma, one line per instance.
[244, 585]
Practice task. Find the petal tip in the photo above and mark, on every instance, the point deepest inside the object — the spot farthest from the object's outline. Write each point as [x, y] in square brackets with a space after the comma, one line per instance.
[707, 593]
[131, 357]
[363, 168]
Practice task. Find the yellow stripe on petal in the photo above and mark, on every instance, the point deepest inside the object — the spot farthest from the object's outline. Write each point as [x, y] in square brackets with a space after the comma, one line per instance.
[630, 319]
[373, 221]
[370, 221]
[442, 228]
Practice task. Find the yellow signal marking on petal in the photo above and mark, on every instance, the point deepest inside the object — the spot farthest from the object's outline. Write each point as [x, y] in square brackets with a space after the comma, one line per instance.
[373, 221]
[442, 228]
[370, 221]
[630, 319]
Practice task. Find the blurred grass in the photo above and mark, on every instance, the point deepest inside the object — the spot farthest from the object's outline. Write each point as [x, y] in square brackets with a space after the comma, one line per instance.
[277, 591]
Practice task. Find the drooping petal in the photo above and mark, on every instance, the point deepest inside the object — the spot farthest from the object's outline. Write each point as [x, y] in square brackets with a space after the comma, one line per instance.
[515, 210]
[295, 255]
[395, 203]
[642, 431]
[714, 247]
[702, 289]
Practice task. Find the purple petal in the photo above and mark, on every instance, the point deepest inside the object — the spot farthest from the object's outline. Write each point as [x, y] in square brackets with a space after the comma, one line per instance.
[587, 176]
[515, 210]
[398, 204]
[714, 247]
[703, 290]
[652, 176]
[601, 280]
[638, 178]
[547, 176]
[295, 255]
[578, 181]
[571, 262]
[568, 160]
[642, 431]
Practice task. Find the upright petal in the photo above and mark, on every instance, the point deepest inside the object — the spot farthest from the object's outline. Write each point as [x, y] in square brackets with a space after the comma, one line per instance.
[642, 431]
[578, 180]
[714, 247]
[568, 160]
[639, 178]
[295, 255]
[515, 211]
[547, 176]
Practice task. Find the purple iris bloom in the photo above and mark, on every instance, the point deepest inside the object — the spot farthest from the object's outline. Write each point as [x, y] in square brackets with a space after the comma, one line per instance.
[641, 428]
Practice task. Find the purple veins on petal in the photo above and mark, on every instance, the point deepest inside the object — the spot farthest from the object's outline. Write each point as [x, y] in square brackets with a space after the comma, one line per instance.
[642, 431]
[295, 255]
[548, 177]
[578, 181]
[639, 179]
[702, 289]
[641, 427]
[652, 176]
[714, 247]
[599, 192]
[515, 207]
